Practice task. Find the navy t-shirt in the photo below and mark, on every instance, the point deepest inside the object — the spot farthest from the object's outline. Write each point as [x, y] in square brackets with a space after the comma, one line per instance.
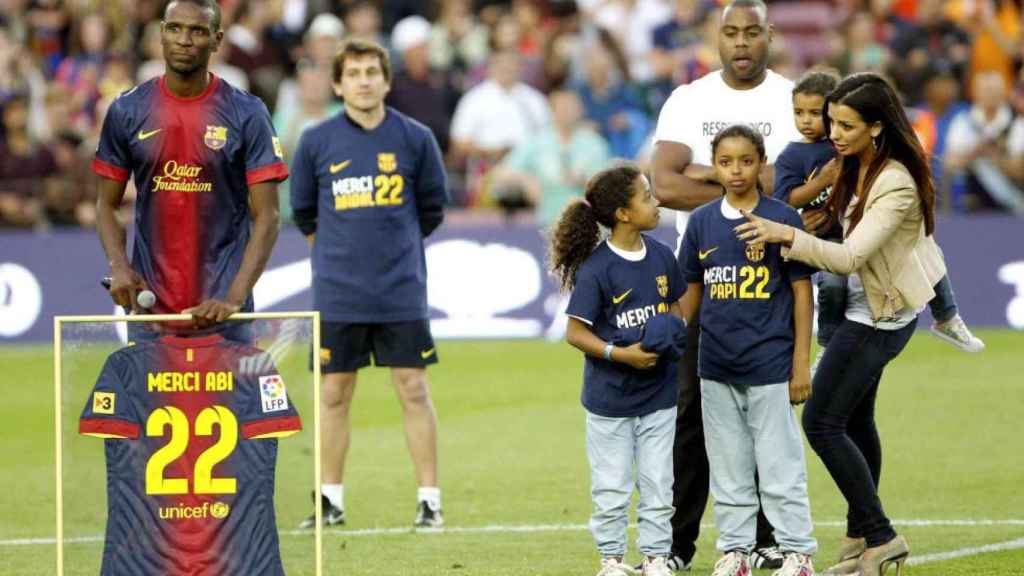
[613, 294]
[746, 313]
[798, 164]
[367, 188]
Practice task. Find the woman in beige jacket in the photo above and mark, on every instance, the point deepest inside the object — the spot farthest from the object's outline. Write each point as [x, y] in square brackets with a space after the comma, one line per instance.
[885, 200]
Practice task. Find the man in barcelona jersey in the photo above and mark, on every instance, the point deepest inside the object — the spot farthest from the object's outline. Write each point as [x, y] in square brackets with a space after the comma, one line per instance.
[368, 185]
[205, 163]
[191, 448]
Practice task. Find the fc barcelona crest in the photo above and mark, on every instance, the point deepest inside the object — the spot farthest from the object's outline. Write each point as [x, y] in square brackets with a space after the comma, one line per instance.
[755, 252]
[216, 137]
[662, 286]
[387, 162]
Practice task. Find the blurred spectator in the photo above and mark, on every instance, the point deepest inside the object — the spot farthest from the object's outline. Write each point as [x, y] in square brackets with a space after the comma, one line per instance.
[632, 23]
[70, 195]
[457, 42]
[248, 48]
[676, 45]
[862, 52]
[323, 39]
[18, 75]
[421, 93]
[934, 36]
[507, 35]
[321, 43]
[362, 21]
[942, 103]
[986, 144]
[997, 36]
[562, 47]
[492, 118]
[48, 25]
[82, 69]
[314, 101]
[551, 167]
[25, 166]
[610, 100]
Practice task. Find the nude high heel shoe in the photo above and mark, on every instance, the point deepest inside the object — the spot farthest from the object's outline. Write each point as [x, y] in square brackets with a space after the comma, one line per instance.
[850, 550]
[875, 561]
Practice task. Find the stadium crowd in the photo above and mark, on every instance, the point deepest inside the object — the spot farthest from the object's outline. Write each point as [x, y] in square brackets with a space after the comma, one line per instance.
[526, 97]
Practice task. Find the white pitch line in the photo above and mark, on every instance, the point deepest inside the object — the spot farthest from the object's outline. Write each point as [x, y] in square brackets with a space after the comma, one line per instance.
[525, 528]
[973, 551]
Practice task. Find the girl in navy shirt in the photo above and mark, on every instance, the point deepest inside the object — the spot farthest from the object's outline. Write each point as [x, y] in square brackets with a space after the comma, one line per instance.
[624, 316]
[755, 317]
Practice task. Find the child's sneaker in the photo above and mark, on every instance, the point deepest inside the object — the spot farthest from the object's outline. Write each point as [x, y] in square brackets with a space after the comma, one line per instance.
[796, 564]
[734, 563]
[614, 567]
[657, 566]
[767, 557]
[956, 332]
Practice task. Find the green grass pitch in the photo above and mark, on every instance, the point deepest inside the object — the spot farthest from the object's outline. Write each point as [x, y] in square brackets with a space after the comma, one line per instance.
[514, 471]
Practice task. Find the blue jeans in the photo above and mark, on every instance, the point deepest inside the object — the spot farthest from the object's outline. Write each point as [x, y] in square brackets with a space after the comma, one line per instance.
[839, 420]
[753, 442]
[614, 447]
[943, 306]
[832, 303]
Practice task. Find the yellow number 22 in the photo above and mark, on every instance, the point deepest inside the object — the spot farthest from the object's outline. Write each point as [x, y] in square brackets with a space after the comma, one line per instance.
[750, 275]
[204, 482]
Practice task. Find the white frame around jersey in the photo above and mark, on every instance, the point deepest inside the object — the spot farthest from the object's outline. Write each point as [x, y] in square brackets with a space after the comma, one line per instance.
[58, 321]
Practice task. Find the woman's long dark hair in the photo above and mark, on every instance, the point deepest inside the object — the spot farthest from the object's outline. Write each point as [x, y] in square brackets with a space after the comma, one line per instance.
[875, 100]
[577, 233]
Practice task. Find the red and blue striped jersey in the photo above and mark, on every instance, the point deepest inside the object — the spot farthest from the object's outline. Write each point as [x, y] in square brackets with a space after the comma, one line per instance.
[192, 160]
[191, 427]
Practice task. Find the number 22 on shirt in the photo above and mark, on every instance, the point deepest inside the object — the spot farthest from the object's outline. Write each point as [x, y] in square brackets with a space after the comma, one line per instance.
[180, 434]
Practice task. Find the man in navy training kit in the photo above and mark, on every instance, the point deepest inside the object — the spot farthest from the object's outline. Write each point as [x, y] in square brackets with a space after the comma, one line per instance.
[368, 186]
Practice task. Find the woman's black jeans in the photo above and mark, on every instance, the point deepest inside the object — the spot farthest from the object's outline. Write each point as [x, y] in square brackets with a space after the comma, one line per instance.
[839, 420]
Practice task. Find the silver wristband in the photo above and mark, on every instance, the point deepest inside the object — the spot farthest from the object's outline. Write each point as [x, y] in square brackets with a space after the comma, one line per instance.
[608, 351]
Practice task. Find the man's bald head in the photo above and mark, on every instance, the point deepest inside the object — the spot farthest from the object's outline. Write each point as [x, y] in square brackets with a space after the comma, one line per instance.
[757, 5]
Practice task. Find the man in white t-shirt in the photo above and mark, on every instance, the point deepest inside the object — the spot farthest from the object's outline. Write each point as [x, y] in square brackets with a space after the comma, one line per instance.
[744, 91]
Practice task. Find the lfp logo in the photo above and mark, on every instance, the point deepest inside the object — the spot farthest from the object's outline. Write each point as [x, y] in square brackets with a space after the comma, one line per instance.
[273, 396]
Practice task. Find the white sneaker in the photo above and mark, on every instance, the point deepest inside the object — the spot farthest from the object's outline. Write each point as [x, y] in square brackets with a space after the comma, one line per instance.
[955, 332]
[796, 564]
[614, 567]
[657, 566]
[732, 564]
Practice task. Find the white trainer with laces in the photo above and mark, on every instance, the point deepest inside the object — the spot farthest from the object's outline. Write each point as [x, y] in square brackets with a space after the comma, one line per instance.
[614, 567]
[732, 564]
[657, 566]
[796, 564]
[956, 332]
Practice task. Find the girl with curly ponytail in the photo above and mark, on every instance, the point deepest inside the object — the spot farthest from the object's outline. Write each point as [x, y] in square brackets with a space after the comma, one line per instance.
[624, 317]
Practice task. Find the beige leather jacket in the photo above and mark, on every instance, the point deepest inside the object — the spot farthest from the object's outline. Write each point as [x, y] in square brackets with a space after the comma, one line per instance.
[898, 265]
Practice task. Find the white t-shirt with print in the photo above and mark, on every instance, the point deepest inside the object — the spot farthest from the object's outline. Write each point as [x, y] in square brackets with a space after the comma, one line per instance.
[697, 111]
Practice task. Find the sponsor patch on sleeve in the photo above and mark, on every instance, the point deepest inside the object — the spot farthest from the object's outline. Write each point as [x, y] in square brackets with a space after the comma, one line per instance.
[103, 402]
[273, 397]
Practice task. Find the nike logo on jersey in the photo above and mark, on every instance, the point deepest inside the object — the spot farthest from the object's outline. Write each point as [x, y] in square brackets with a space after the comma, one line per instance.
[427, 353]
[145, 135]
[621, 297]
[335, 168]
[705, 253]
